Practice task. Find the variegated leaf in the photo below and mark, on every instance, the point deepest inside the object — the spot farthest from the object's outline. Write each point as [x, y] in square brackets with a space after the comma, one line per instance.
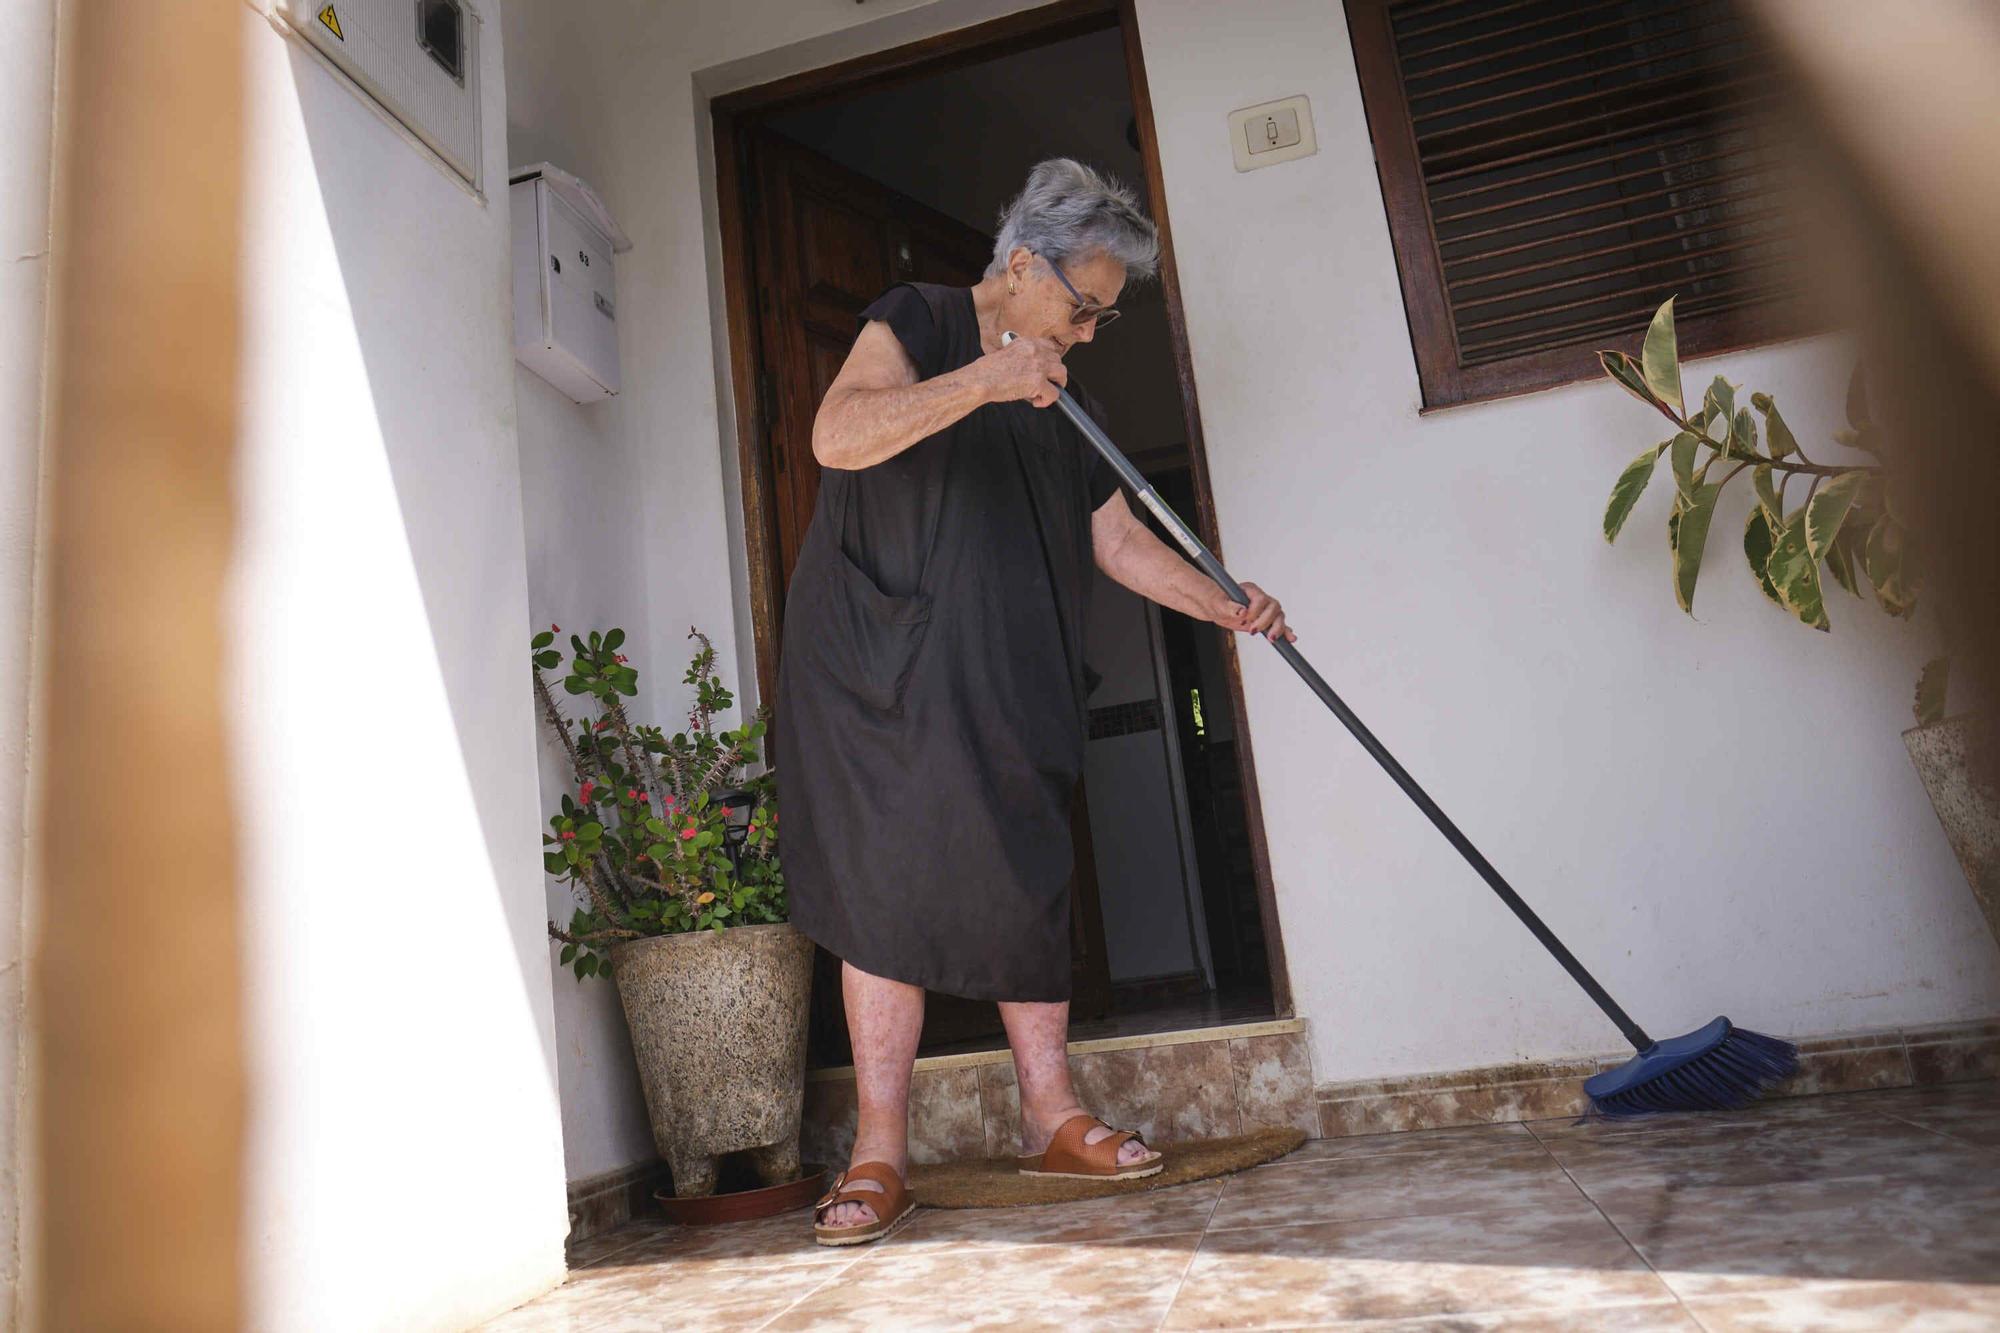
[1757, 544]
[1795, 574]
[1720, 400]
[1690, 536]
[1683, 448]
[1828, 511]
[1767, 496]
[1659, 359]
[1778, 438]
[1626, 491]
[1626, 371]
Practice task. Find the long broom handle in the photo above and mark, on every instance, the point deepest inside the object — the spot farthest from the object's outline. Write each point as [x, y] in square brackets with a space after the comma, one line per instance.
[1199, 553]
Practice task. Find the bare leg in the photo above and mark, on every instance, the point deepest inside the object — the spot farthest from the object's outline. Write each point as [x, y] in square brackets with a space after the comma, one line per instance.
[1039, 1034]
[883, 1020]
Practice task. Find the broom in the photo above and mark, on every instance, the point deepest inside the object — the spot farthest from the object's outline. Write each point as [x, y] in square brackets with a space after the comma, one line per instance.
[1717, 1067]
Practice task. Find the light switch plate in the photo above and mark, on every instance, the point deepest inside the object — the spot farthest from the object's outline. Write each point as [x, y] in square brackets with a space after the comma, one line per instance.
[1272, 132]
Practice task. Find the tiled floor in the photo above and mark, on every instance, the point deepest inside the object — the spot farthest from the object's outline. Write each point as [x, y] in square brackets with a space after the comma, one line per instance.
[1876, 1210]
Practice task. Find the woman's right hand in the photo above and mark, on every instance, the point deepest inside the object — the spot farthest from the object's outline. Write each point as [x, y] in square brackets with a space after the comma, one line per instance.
[1029, 368]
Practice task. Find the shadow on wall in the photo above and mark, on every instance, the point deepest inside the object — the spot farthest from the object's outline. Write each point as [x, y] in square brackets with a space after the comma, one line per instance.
[427, 290]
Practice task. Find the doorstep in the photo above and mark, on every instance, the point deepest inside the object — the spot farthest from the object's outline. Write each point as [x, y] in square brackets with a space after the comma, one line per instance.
[1196, 1083]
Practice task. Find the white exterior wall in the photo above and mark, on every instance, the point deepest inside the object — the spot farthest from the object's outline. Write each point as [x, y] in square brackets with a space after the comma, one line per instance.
[27, 100]
[1716, 814]
[405, 1160]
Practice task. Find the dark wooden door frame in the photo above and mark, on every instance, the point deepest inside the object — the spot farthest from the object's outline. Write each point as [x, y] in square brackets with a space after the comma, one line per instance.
[732, 112]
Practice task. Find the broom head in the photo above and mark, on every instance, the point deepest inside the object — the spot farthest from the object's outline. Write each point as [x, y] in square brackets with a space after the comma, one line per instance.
[1718, 1068]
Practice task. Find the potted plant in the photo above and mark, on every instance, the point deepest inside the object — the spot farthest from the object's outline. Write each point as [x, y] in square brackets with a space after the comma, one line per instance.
[671, 849]
[1847, 528]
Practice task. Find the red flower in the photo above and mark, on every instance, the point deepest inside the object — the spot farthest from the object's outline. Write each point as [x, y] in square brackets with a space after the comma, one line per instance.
[602, 723]
[687, 833]
[618, 657]
[753, 828]
[589, 785]
[557, 628]
[727, 812]
[645, 796]
[567, 836]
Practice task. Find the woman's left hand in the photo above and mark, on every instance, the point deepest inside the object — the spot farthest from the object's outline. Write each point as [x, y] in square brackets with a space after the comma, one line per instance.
[1262, 616]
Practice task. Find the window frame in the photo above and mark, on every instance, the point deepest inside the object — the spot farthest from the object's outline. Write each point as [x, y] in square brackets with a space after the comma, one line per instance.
[1420, 268]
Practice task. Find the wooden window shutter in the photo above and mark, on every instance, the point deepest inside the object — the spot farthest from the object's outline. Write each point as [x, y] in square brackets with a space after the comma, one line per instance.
[1555, 169]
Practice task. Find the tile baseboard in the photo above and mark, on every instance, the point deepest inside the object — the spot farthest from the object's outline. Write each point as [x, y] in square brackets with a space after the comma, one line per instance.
[598, 1204]
[1843, 1062]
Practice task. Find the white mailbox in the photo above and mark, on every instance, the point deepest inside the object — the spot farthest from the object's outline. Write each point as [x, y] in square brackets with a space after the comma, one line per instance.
[565, 301]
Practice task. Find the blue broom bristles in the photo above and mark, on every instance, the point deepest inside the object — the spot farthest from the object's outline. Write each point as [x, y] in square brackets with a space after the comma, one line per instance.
[1719, 1068]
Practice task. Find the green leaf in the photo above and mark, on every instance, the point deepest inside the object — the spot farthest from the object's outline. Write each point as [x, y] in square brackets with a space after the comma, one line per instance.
[1839, 562]
[1626, 490]
[1884, 560]
[613, 640]
[568, 955]
[1683, 448]
[1691, 534]
[542, 640]
[1778, 436]
[1828, 511]
[1758, 542]
[1626, 371]
[1931, 688]
[1720, 400]
[1743, 435]
[1795, 574]
[1767, 496]
[1659, 359]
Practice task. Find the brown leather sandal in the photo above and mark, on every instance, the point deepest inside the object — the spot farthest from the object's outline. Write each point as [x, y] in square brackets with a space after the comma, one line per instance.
[892, 1206]
[1069, 1156]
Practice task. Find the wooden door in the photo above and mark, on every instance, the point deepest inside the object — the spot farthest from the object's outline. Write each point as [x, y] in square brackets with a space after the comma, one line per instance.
[827, 241]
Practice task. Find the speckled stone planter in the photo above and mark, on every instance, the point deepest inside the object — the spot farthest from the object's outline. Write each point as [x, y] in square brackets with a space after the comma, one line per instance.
[1966, 796]
[718, 1023]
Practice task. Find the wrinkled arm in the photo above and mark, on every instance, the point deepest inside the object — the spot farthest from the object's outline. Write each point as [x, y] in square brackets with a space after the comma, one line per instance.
[876, 408]
[1127, 550]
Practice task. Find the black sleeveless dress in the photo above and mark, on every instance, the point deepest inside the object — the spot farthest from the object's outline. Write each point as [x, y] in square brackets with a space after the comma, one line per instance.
[930, 716]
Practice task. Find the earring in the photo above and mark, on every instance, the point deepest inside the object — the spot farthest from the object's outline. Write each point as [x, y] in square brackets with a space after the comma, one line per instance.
[1010, 289]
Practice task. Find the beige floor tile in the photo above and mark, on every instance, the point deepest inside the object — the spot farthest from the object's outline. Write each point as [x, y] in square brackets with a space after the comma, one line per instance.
[1394, 1186]
[1557, 1259]
[1856, 1307]
[1646, 1317]
[1182, 1209]
[1089, 1286]
[590, 1250]
[713, 1299]
[1780, 1154]
[1883, 1228]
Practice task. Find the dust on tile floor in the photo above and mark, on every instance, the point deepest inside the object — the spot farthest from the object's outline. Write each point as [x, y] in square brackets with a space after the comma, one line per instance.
[1874, 1210]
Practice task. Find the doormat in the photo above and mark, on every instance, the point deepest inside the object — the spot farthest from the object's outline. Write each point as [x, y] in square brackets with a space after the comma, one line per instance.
[994, 1182]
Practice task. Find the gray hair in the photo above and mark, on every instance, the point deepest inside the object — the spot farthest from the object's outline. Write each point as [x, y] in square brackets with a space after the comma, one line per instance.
[1067, 209]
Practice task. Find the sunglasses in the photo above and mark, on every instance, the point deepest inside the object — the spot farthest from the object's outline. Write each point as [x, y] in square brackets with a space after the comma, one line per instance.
[1085, 311]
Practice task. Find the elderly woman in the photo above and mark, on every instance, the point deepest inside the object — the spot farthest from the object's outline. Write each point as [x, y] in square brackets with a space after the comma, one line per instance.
[931, 698]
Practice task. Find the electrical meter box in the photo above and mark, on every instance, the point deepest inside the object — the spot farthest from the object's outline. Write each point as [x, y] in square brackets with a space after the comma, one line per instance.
[565, 300]
[417, 59]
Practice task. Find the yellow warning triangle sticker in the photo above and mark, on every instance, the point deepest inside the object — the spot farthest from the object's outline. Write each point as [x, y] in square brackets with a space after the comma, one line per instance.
[332, 22]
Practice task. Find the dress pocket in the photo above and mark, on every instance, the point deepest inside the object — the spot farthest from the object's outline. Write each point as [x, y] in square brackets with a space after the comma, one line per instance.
[865, 639]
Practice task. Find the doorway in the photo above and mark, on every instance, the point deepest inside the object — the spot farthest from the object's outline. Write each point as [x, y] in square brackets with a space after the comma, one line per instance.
[838, 184]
